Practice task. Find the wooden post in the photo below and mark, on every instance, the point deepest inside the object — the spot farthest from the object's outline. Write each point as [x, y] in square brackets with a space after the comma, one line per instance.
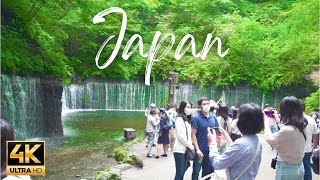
[173, 80]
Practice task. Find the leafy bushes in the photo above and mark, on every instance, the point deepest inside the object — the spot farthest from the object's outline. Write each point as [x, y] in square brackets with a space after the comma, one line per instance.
[312, 101]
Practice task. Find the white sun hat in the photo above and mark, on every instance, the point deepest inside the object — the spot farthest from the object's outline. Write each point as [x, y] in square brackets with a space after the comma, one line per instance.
[213, 104]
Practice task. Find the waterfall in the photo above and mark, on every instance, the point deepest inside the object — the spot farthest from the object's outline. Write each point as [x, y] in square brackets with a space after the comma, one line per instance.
[21, 105]
[135, 95]
[232, 95]
[121, 95]
[33, 106]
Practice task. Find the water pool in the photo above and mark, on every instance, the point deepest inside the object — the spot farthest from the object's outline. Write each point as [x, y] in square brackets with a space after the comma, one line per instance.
[89, 138]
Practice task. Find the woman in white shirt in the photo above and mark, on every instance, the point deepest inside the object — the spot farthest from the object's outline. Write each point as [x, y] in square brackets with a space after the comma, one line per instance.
[290, 140]
[183, 138]
[153, 121]
[225, 123]
[235, 132]
[223, 119]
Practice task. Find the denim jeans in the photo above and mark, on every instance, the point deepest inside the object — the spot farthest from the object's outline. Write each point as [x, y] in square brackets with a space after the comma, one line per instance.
[274, 129]
[206, 166]
[307, 166]
[285, 171]
[150, 136]
[181, 164]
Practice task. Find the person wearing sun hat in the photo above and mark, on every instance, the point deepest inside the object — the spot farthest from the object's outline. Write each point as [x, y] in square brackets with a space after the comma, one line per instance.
[213, 106]
[147, 111]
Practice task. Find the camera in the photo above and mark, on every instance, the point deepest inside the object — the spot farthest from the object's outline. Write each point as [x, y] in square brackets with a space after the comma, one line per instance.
[274, 163]
[269, 113]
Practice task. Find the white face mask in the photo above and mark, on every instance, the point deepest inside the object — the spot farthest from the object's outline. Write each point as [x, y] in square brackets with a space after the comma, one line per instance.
[188, 111]
[206, 108]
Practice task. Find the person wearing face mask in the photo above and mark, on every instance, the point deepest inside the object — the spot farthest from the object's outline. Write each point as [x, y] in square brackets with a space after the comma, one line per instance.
[200, 124]
[183, 138]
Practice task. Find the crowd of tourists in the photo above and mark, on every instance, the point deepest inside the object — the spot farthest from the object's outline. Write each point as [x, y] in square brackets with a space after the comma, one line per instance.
[223, 142]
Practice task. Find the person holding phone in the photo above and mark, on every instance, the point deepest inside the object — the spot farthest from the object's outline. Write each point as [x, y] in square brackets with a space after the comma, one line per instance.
[152, 122]
[271, 115]
[290, 141]
[242, 158]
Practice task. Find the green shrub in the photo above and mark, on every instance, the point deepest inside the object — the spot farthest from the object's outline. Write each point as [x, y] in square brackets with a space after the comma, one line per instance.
[312, 101]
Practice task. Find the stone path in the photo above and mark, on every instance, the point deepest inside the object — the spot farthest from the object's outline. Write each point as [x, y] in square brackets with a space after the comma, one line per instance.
[164, 168]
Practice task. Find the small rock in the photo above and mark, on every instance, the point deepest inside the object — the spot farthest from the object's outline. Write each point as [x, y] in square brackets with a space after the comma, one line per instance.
[123, 167]
[78, 175]
[134, 159]
[110, 155]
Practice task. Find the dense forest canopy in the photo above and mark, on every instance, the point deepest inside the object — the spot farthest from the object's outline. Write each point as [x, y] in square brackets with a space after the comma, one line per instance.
[272, 43]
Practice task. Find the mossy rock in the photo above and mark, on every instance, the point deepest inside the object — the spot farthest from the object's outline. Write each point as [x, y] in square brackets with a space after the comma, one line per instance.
[133, 159]
[120, 154]
[109, 174]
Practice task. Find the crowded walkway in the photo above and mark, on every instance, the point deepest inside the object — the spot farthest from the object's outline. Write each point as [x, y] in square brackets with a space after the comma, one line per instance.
[164, 168]
[232, 144]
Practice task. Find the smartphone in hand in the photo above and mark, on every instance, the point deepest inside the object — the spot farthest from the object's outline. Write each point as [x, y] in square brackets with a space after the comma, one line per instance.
[216, 129]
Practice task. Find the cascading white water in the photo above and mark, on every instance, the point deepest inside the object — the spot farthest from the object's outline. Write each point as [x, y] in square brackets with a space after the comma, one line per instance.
[22, 98]
[135, 95]
[123, 95]
[21, 105]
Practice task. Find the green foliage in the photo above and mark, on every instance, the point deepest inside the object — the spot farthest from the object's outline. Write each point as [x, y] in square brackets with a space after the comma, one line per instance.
[109, 174]
[272, 43]
[312, 101]
[134, 159]
[120, 153]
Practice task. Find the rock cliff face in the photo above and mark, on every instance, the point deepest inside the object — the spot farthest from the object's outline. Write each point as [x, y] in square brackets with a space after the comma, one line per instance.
[51, 94]
[32, 106]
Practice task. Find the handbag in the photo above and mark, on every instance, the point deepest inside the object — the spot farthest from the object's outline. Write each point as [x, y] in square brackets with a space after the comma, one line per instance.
[224, 174]
[274, 162]
[189, 155]
[315, 162]
[167, 125]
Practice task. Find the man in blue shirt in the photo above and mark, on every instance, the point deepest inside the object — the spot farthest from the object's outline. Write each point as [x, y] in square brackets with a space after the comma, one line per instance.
[200, 124]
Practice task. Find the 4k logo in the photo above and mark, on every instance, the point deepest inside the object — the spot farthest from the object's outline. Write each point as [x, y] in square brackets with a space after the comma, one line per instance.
[26, 158]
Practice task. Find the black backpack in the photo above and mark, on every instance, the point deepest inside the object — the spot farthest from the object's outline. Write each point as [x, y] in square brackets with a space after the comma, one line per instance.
[167, 125]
